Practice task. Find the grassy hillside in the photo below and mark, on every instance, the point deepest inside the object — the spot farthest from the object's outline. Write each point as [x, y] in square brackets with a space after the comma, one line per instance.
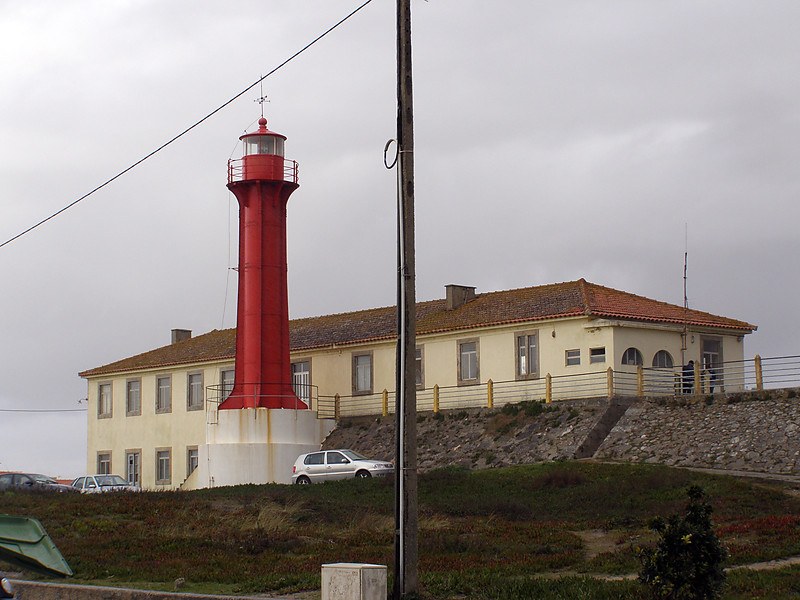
[483, 534]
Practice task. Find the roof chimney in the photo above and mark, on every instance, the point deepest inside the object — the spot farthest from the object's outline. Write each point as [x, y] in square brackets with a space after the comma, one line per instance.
[458, 295]
[179, 335]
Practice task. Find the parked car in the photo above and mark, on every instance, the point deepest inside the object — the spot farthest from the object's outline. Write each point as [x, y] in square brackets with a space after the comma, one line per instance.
[6, 589]
[327, 465]
[31, 481]
[95, 484]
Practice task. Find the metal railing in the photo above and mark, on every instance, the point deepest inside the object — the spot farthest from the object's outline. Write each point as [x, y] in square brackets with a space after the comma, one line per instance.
[629, 381]
[236, 169]
[217, 394]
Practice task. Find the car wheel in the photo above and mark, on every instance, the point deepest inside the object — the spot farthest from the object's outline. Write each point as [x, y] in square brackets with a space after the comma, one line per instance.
[363, 475]
[303, 480]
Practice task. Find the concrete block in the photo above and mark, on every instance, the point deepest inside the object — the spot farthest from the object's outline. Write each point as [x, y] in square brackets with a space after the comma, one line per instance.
[353, 581]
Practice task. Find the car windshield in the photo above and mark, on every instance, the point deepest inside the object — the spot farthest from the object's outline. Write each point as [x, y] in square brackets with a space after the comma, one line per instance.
[104, 480]
[353, 455]
[43, 479]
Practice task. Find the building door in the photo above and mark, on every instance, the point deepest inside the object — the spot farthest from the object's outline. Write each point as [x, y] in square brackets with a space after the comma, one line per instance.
[712, 364]
[133, 471]
[301, 380]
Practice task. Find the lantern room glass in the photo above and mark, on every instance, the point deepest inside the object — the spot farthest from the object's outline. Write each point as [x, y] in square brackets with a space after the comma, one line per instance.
[263, 144]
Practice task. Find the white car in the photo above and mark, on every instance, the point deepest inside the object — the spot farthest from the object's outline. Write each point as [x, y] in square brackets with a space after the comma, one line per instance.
[95, 484]
[327, 465]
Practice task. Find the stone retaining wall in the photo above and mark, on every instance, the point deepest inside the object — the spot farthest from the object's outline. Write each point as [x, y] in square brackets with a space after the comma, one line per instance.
[479, 438]
[755, 431]
[744, 432]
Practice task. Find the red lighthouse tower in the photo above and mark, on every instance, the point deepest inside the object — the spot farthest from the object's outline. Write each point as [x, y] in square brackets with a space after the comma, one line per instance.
[262, 181]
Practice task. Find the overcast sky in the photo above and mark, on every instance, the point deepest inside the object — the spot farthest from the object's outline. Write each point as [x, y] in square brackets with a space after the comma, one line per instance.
[554, 140]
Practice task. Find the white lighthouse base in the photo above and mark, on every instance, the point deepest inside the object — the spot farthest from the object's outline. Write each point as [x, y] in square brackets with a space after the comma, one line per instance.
[256, 445]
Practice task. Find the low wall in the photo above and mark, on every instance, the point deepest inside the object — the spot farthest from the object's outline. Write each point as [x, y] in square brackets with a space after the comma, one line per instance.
[752, 431]
[32, 590]
[755, 431]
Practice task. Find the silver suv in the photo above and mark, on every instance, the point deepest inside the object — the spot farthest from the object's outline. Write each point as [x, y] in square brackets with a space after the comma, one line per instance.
[327, 465]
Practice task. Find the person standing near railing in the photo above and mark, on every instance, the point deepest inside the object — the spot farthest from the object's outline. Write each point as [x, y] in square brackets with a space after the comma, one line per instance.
[688, 378]
[712, 379]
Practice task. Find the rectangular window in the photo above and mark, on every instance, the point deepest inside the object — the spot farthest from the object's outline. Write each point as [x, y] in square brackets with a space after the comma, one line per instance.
[164, 394]
[527, 356]
[301, 380]
[226, 379]
[573, 357]
[133, 472]
[192, 459]
[468, 361]
[362, 373]
[104, 463]
[163, 466]
[420, 368]
[194, 391]
[133, 397]
[597, 355]
[104, 400]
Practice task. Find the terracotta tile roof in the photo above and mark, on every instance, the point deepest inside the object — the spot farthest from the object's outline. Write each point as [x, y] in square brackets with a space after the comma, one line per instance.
[545, 302]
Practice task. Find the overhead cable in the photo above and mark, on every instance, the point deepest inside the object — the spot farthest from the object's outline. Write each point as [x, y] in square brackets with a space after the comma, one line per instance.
[41, 410]
[188, 129]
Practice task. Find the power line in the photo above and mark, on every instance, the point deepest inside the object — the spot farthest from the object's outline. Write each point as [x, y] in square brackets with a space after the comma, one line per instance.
[188, 129]
[41, 410]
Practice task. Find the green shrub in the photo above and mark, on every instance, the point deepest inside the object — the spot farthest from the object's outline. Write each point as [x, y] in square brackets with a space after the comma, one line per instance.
[510, 409]
[686, 564]
[533, 409]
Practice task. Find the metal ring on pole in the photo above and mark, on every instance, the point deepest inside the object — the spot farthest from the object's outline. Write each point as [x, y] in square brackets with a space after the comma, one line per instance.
[396, 154]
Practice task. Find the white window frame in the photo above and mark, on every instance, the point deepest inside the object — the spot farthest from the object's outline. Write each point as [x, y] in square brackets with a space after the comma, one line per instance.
[572, 357]
[472, 375]
[522, 352]
[161, 410]
[663, 353]
[104, 462]
[419, 367]
[194, 390]
[133, 468]
[301, 379]
[105, 402]
[632, 357]
[192, 459]
[133, 403]
[163, 466]
[362, 386]
[227, 378]
[597, 355]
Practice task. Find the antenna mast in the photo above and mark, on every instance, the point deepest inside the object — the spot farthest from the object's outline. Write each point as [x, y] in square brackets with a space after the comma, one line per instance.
[685, 334]
[263, 97]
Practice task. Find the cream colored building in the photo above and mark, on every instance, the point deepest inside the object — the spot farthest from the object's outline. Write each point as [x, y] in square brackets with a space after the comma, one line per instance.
[150, 415]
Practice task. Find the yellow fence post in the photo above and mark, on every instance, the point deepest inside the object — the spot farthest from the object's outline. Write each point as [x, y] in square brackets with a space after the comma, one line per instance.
[548, 388]
[610, 382]
[336, 406]
[490, 394]
[698, 383]
[385, 410]
[759, 373]
[640, 381]
[436, 398]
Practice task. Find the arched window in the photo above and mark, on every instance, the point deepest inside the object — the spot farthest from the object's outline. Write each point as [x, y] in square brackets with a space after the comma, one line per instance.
[663, 360]
[632, 356]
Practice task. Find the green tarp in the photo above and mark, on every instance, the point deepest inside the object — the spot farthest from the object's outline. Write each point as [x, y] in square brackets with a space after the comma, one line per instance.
[25, 541]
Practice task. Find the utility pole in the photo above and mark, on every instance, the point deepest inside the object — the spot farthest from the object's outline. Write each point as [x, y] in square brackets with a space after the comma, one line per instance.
[406, 513]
